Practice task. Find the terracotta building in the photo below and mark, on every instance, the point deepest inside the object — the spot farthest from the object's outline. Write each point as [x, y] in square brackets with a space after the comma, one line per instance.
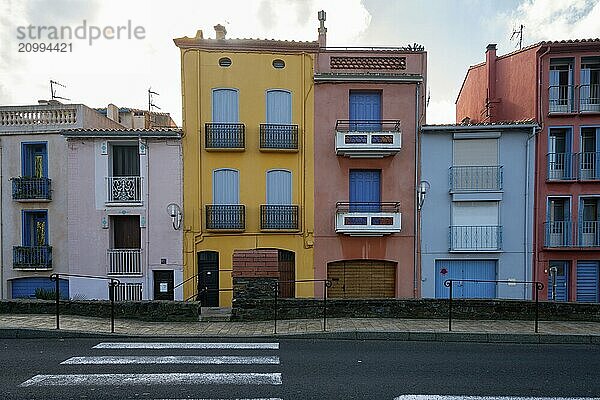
[557, 84]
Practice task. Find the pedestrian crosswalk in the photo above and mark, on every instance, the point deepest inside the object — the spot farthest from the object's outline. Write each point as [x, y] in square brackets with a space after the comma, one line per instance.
[204, 356]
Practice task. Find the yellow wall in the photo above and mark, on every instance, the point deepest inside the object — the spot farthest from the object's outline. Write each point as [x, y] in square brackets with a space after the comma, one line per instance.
[252, 74]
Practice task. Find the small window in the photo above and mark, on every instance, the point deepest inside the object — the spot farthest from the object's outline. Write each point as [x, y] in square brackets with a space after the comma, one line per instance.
[225, 62]
[278, 63]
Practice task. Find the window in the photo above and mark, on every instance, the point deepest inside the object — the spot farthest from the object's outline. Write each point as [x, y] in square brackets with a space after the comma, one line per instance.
[124, 256]
[365, 190]
[34, 160]
[279, 187]
[225, 106]
[225, 62]
[558, 222]
[475, 226]
[279, 107]
[35, 228]
[589, 220]
[475, 152]
[225, 131]
[124, 185]
[278, 64]
[559, 154]
[279, 213]
[589, 159]
[365, 111]
[475, 165]
[589, 88]
[560, 91]
[226, 213]
[125, 160]
[226, 186]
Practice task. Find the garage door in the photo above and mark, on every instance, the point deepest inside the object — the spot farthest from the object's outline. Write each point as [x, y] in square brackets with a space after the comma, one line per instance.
[465, 269]
[362, 279]
[25, 287]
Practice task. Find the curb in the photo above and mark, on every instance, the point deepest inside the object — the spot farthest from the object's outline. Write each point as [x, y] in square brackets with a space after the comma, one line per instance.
[440, 337]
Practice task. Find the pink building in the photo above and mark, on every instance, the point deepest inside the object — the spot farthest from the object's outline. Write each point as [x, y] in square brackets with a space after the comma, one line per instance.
[558, 85]
[369, 104]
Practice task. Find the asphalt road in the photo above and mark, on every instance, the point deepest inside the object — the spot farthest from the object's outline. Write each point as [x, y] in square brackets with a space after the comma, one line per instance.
[292, 369]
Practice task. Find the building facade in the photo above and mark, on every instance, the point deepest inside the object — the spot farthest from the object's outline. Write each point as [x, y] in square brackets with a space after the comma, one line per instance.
[369, 104]
[121, 182]
[247, 158]
[476, 217]
[34, 190]
[558, 85]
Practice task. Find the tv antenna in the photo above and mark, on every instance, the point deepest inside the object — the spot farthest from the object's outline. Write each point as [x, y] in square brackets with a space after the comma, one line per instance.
[151, 99]
[518, 33]
[53, 90]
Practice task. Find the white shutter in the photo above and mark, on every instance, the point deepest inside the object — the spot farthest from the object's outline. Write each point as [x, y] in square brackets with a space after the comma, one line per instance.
[475, 213]
[475, 152]
[226, 186]
[279, 187]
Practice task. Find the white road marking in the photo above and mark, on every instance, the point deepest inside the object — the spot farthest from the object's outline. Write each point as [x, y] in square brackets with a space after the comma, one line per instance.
[102, 360]
[270, 398]
[155, 379]
[438, 397]
[175, 345]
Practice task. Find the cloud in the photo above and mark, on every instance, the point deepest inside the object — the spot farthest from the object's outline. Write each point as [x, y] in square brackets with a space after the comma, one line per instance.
[441, 112]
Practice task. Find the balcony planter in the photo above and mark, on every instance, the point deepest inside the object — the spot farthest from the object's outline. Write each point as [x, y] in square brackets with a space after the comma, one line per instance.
[367, 139]
[367, 219]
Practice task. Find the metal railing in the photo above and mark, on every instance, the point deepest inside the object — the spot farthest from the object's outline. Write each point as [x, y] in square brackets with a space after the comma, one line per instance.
[279, 217]
[381, 125]
[326, 284]
[449, 283]
[220, 135]
[560, 99]
[279, 136]
[560, 166]
[124, 189]
[113, 282]
[475, 238]
[368, 207]
[27, 188]
[124, 261]
[474, 178]
[558, 234]
[589, 98]
[32, 257]
[588, 163]
[129, 292]
[226, 217]
[589, 234]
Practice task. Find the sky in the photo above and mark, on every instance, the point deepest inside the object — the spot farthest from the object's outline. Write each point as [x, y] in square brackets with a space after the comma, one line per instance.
[455, 34]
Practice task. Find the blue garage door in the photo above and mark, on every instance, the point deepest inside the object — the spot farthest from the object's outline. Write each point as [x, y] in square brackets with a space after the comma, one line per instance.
[465, 269]
[24, 288]
[587, 281]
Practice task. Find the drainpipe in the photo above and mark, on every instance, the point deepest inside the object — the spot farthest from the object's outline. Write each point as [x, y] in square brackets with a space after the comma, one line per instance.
[526, 257]
[1, 227]
[147, 221]
[417, 253]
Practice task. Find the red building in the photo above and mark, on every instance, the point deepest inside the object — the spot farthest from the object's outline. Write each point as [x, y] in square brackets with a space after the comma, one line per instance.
[558, 85]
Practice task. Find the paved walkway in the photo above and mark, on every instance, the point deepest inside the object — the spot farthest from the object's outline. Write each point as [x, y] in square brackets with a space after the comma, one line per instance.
[294, 327]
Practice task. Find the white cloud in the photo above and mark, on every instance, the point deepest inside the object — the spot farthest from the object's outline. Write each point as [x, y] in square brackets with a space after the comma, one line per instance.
[441, 112]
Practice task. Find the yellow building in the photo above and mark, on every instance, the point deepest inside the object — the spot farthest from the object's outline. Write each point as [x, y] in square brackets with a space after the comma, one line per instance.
[248, 110]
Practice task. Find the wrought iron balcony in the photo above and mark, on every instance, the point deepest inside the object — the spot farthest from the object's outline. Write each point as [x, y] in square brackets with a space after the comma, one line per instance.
[31, 189]
[279, 217]
[367, 219]
[124, 190]
[124, 261]
[32, 257]
[589, 163]
[560, 166]
[224, 136]
[367, 139]
[589, 234]
[278, 137]
[558, 234]
[475, 178]
[589, 98]
[225, 217]
[475, 238]
[560, 99]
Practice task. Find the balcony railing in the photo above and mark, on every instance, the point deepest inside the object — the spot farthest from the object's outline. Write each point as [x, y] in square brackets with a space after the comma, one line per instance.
[25, 188]
[589, 234]
[225, 217]
[560, 99]
[560, 166]
[124, 189]
[367, 139]
[37, 115]
[224, 136]
[278, 137]
[558, 234]
[279, 217]
[588, 163]
[32, 257]
[589, 98]
[367, 219]
[475, 178]
[124, 261]
[475, 238]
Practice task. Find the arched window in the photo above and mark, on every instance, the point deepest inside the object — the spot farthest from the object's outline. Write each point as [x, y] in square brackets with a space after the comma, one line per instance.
[226, 186]
[279, 187]
[225, 105]
[279, 107]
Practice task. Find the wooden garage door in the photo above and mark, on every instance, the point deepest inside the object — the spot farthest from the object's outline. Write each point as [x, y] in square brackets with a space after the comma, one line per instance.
[361, 279]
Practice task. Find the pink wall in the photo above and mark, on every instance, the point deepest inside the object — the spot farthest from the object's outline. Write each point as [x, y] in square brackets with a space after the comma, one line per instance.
[471, 99]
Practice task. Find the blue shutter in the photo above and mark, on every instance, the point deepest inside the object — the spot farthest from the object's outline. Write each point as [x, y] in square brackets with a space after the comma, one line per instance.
[597, 155]
[225, 106]
[365, 106]
[226, 186]
[587, 281]
[554, 79]
[279, 107]
[25, 287]
[279, 187]
[365, 187]
[584, 94]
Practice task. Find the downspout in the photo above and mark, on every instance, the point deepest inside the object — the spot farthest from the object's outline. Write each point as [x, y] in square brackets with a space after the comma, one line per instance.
[526, 257]
[417, 251]
[1, 227]
[147, 224]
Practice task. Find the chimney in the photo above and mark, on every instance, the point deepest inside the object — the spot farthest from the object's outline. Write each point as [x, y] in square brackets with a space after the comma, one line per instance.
[490, 69]
[112, 112]
[220, 31]
[322, 30]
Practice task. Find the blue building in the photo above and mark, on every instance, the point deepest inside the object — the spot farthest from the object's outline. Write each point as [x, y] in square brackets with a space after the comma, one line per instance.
[476, 210]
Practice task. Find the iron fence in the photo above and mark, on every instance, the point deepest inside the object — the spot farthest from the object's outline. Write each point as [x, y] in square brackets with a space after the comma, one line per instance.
[475, 178]
[225, 217]
[27, 188]
[32, 257]
[478, 238]
[279, 217]
[279, 136]
[220, 135]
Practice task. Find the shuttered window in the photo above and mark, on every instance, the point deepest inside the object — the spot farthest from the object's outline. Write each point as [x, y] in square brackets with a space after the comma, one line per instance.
[587, 281]
[279, 107]
[279, 187]
[225, 106]
[361, 279]
[475, 213]
[475, 152]
[226, 186]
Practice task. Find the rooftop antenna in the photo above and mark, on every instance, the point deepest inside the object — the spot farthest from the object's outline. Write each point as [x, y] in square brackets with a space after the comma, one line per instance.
[53, 90]
[518, 33]
[150, 99]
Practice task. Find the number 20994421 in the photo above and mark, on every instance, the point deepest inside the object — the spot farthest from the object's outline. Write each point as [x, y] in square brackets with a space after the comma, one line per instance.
[45, 47]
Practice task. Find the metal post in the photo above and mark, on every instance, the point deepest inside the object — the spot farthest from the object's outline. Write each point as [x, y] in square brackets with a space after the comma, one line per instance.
[450, 308]
[324, 306]
[57, 290]
[112, 285]
[275, 307]
[537, 311]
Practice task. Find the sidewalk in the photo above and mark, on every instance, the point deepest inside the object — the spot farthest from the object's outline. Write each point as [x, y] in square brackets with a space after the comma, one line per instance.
[35, 325]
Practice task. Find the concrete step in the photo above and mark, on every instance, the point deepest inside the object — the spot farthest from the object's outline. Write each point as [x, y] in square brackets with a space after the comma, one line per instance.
[215, 314]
